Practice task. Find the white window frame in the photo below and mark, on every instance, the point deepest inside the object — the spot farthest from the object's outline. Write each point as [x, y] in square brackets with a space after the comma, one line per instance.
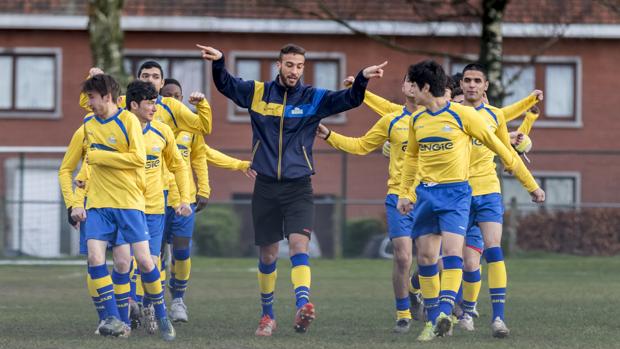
[57, 112]
[173, 54]
[577, 122]
[233, 56]
[559, 174]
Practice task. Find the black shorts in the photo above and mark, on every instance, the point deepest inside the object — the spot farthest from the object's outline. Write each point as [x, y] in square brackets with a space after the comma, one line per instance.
[281, 208]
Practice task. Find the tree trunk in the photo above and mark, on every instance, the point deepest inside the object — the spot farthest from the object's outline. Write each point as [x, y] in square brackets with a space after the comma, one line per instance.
[491, 47]
[106, 37]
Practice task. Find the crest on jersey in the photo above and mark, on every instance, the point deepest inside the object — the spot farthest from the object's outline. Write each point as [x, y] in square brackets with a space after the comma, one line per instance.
[446, 128]
[156, 149]
[185, 138]
[112, 139]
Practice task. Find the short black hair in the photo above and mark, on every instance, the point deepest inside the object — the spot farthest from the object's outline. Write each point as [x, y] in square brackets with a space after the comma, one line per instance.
[291, 48]
[138, 91]
[103, 84]
[431, 73]
[454, 84]
[477, 67]
[149, 65]
[171, 81]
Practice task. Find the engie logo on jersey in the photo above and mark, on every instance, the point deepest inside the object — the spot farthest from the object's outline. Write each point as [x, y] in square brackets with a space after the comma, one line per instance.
[152, 161]
[435, 144]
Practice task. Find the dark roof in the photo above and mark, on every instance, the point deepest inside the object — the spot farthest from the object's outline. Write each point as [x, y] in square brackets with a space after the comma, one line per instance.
[517, 11]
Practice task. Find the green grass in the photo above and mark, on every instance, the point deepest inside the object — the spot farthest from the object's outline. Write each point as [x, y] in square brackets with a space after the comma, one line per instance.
[554, 302]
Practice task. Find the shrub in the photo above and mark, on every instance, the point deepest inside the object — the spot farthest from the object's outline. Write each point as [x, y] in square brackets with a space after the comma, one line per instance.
[359, 232]
[217, 231]
[593, 231]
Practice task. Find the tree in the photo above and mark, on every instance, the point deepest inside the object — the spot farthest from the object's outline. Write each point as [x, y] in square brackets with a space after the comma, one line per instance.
[106, 37]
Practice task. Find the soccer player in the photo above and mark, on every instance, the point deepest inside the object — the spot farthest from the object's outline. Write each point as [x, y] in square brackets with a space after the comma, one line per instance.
[438, 156]
[161, 150]
[114, 214]
[179, 229]
[74, 155]
[393, 127]
[486, 212]
[285, 114]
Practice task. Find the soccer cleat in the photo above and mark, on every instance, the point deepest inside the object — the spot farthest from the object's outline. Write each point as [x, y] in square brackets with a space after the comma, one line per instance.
[304, 317]
[148, 319]
[443, 325]
[500, 330]
[99, 326]
[417, 306]
[126, 332]
[454, 322]
[474, 313]
[457, 310]
[402, 326]
[178, 310]
[428, 333]
[266, 326]
[466, 322]
[135, 310]
[166, 329]
[112, 327]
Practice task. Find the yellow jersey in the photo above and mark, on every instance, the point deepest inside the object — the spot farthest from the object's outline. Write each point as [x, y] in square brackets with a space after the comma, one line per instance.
[76, 151]
[393, 127]
[116, 159]
[439, 148]
[161, 148]
[192, 150]
[221, 160]
[517, 109]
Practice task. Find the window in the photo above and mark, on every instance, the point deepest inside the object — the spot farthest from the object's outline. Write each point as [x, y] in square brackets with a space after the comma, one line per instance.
[323, 70]
[185, 66]
[561, 189]
[30, 83]
[558, 77]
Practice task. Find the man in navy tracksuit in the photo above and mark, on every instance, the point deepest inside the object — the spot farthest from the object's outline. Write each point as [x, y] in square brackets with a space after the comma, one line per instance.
[285, 115]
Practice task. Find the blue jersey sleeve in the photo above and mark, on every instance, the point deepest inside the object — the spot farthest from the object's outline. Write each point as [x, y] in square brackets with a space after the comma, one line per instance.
[236, 89]
[334, 102]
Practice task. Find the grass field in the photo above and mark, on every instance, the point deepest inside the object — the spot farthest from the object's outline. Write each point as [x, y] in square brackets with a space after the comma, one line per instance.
[554, 302]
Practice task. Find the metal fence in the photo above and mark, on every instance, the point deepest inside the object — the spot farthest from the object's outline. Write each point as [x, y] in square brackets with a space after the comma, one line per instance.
[347, 188]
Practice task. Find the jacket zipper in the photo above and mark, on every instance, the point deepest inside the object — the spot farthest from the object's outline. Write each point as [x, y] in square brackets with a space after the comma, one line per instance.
[254, 150]
[281, 132]
[303, 147]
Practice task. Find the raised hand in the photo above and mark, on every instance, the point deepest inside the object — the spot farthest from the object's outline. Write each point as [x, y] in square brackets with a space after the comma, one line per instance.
[348, 81]
[94, 71]
[209, 53]
[539, 95]
[196, 97]
[374, 71]
[538, 195]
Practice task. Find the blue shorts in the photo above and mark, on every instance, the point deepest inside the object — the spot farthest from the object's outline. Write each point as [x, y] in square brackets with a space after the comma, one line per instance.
[473, 238]
[116, 225]
[486, 208]
[155, 224]
[83, 247]
[441, 208]
[398, 225]
[178, 225]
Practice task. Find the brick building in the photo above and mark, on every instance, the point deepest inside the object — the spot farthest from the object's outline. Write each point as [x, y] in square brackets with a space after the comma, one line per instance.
[45, 55]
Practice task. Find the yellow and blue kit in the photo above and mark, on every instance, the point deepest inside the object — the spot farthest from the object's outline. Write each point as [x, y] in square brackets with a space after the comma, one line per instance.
[393, 127]
[161, 150]
[284, 119]
[438, 154]
[174, 114]
[116, 159]
[192, 149]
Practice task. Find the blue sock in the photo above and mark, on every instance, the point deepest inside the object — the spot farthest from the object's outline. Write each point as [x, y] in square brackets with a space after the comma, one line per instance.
[154, 292]
[103, 282]
[122, 290]
[267, 282]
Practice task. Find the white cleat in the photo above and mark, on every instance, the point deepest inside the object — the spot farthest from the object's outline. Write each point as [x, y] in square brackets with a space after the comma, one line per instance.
[99, 326]
[178, 310]
[466, 322]
[500, 330]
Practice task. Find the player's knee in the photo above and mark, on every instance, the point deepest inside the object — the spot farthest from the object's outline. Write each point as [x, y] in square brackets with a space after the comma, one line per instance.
[471, 263]
[180, 243]
[268, 254]
[122, 265]
[403, 259]
[95, 259]
[145, 262]
[426, 258]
